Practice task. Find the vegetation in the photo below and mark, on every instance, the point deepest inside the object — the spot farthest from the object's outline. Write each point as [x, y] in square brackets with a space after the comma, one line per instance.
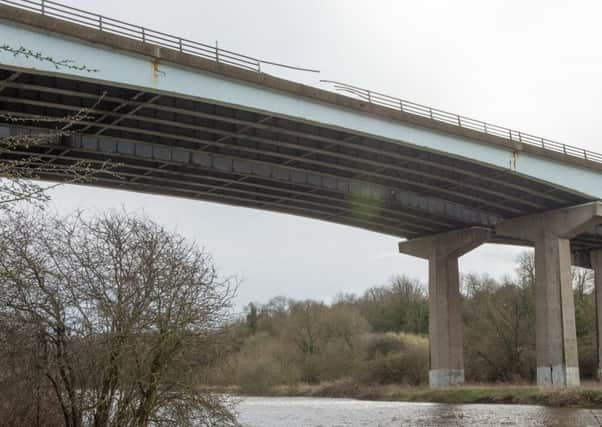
[107, 321]
[380, 337]
[292, 342]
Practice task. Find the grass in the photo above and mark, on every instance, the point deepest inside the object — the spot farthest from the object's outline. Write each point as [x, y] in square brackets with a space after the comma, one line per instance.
[586, 396]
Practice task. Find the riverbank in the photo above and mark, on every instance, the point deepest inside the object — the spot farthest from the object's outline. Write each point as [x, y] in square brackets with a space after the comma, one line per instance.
[586, 396]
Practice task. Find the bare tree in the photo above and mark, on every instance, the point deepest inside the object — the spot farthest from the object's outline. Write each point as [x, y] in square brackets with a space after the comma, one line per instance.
[525, 269]
[124, 315]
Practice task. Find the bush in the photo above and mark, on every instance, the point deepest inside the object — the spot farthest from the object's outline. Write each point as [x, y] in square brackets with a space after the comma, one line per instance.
[264, 362]
[335, 360]
[382, 344]
[394, 358]
[258, 376]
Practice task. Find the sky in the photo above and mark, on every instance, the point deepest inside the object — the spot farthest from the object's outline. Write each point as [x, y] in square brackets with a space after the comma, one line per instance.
[533, 66]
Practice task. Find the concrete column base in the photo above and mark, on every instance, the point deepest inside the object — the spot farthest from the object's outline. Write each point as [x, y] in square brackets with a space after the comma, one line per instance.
[446, 377]
[558, 376]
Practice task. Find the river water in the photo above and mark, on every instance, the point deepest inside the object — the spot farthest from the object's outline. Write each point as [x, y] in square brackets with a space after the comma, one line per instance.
[322, 412]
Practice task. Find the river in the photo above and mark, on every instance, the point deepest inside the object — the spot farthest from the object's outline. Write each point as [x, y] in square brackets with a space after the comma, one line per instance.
[322, 412]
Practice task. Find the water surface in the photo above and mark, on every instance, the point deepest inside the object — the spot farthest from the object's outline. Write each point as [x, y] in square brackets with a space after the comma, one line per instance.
[322, 412]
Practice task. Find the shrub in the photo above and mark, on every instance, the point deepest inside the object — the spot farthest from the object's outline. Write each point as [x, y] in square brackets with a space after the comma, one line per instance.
[393, 358]
[382, 344]
[265, 362]
[336, 360]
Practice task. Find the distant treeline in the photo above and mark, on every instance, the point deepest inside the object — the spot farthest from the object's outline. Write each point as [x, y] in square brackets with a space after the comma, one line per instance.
[381, 337]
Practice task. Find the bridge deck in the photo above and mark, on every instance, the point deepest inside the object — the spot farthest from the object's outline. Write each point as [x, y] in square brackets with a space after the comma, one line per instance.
[184, 146]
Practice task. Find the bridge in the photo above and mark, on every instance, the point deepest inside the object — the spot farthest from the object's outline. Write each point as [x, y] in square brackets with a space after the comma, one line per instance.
[186, 119]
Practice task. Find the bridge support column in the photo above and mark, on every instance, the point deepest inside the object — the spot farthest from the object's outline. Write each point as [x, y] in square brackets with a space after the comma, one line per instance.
[445, 318]
[556, 338]
[555, 335]
[596, 264]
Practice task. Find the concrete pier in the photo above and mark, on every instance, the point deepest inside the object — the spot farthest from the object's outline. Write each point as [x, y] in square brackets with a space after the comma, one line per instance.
[556, 338]
[445, 319]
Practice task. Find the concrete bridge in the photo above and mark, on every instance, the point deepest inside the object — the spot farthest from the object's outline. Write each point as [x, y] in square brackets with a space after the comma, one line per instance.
[185, 119]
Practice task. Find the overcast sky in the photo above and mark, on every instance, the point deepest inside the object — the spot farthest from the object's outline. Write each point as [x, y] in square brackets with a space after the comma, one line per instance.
[534, 66]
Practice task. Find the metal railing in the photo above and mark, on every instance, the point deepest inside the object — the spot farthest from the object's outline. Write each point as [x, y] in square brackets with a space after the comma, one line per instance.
[215, 53]
[145, 35]
[409, 107]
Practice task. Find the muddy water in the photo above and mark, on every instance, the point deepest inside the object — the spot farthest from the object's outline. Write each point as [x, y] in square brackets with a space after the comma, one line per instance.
[319, 412]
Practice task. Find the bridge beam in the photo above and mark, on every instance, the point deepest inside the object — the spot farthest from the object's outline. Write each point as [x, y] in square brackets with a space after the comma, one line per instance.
[556, 338]
[445, 317]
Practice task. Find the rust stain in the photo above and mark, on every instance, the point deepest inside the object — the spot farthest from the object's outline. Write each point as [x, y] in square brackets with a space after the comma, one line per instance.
[156, 71]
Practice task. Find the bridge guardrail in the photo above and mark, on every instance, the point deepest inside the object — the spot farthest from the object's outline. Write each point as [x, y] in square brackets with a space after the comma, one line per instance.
[384, 100]
[145, 35]
[215, 53]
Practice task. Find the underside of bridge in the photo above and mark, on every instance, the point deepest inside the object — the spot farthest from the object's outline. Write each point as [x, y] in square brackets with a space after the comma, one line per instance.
[189, 148]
